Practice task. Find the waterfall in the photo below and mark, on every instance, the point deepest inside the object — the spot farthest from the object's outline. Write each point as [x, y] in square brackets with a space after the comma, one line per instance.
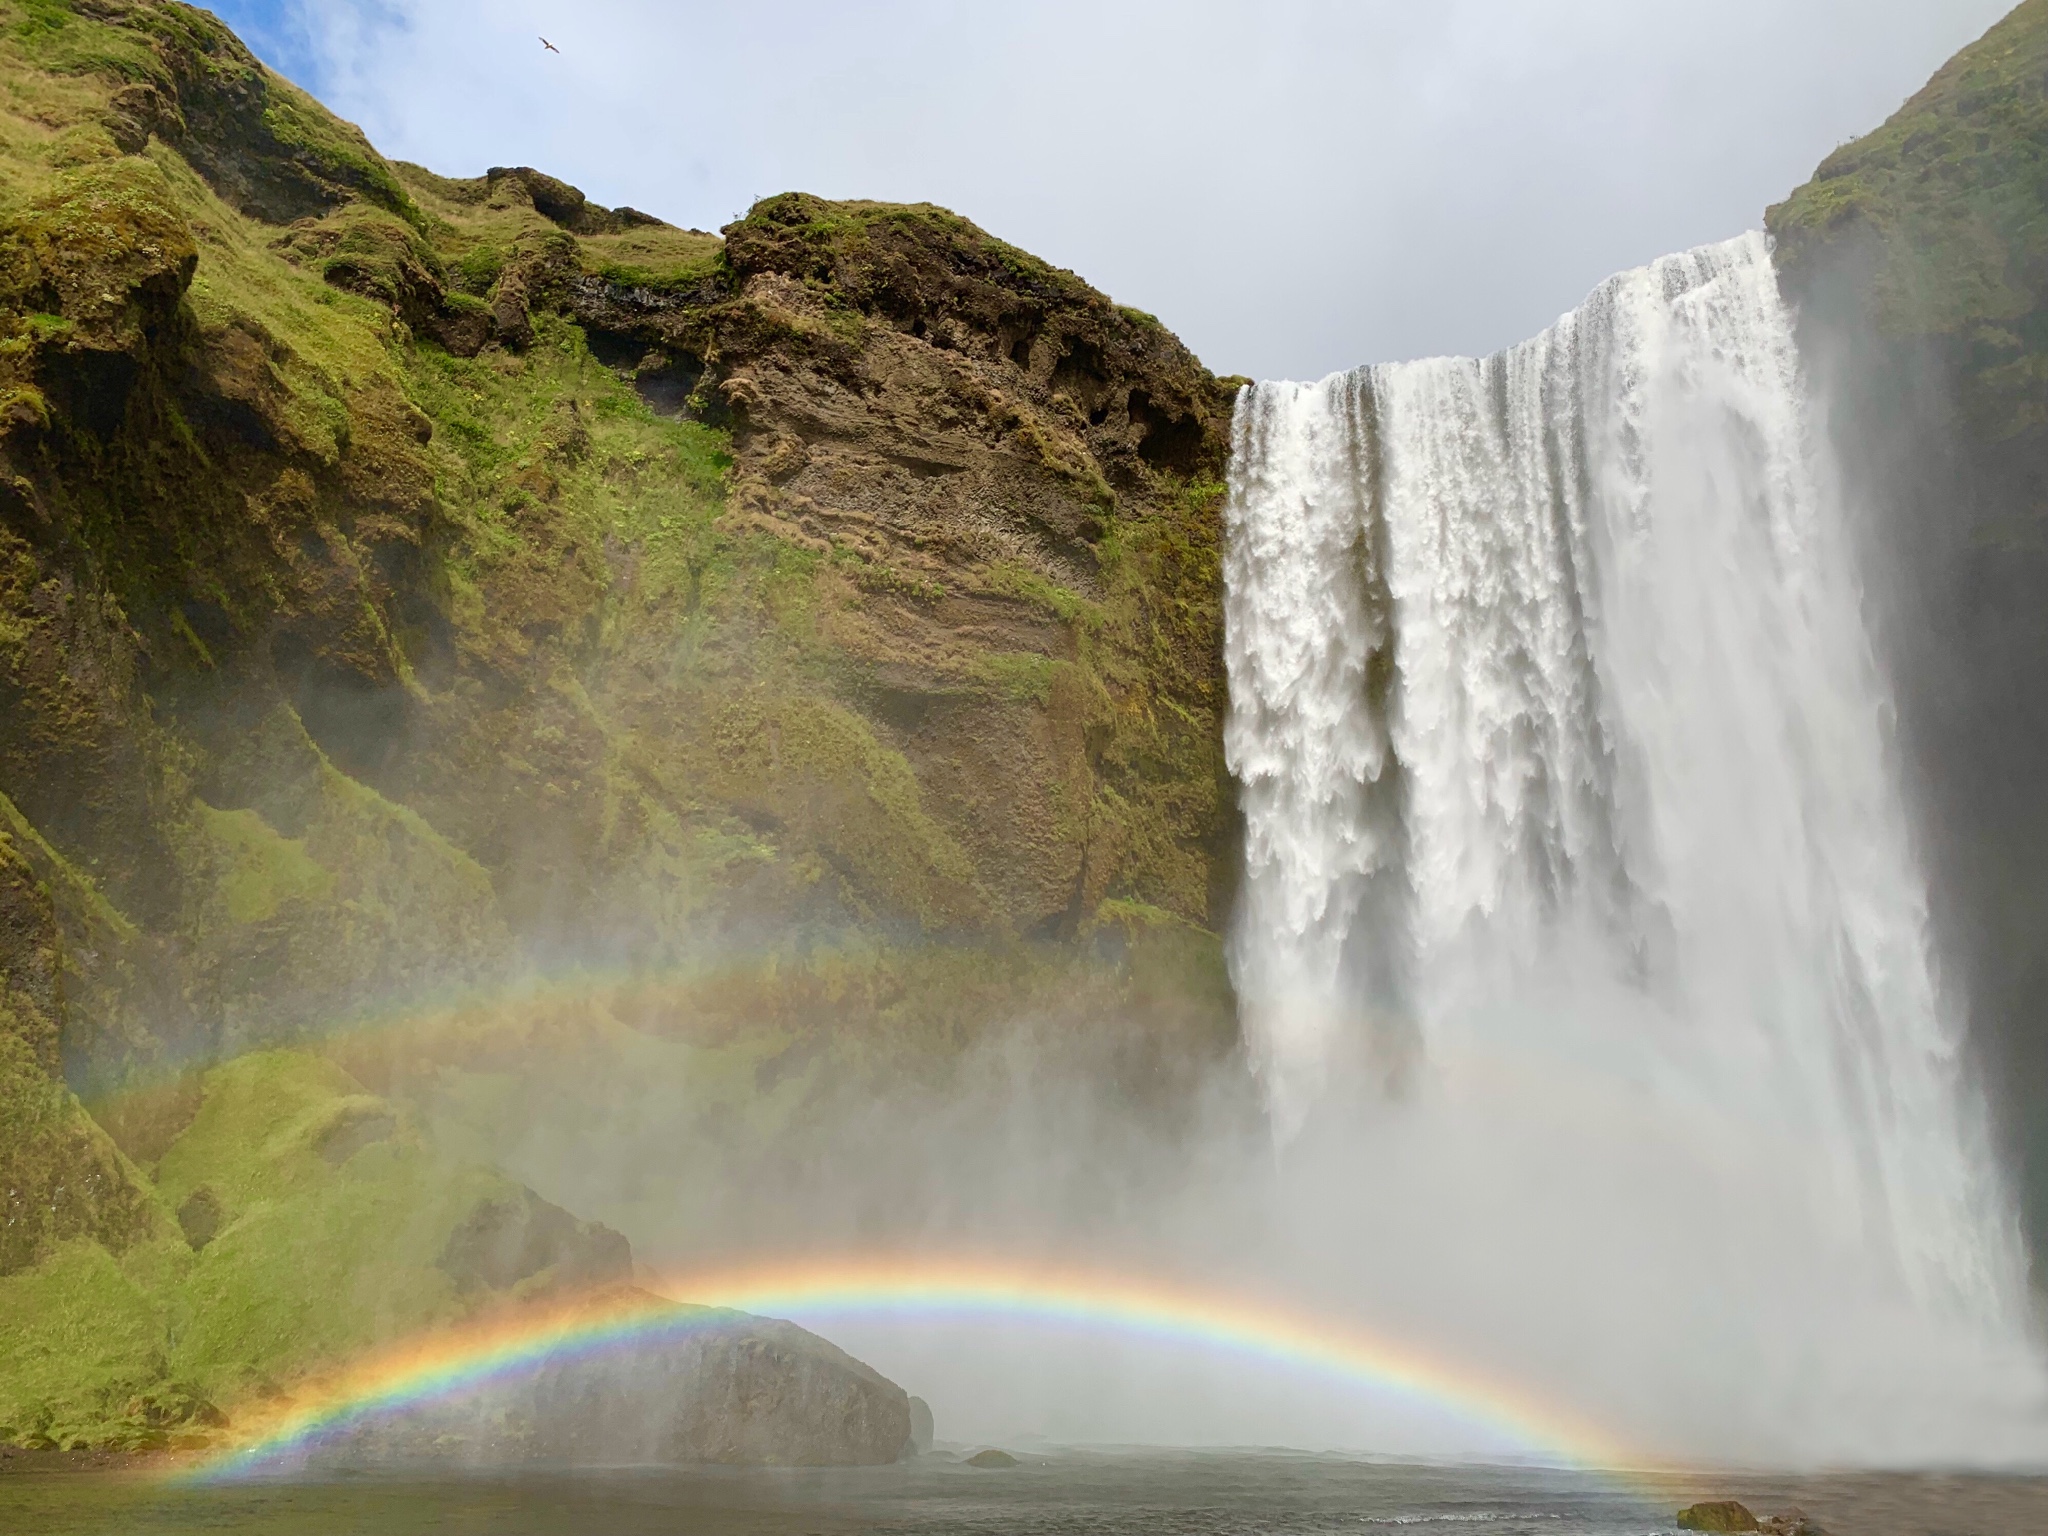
[1563, 753]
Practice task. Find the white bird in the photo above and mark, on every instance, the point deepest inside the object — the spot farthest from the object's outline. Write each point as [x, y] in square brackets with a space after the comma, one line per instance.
[551, 48]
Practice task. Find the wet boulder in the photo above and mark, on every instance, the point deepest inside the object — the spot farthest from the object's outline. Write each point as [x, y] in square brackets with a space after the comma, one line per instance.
[741, 1390]
[681, 1385]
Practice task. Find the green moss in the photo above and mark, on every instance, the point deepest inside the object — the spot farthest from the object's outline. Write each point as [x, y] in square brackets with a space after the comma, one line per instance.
[1019, 676]
[81, 1352]
[40, 18]
[478, 268]
[61, 1179]
[868, 251]
[1947, 206]
[53, 35]
[259, 871]
[1014, 579]
[312, 135]
[328, 1218]
[368, 898]
[320, 364]
[879, 576]
[1152, 697]
[70, 887]
[373, 253]
[316, 1255]
[102, 234]
[817, 766]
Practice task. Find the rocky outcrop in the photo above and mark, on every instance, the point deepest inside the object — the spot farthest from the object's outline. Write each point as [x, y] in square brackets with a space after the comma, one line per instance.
[993, 455]
[690, 1386]
[744, 1391]
[411, 583]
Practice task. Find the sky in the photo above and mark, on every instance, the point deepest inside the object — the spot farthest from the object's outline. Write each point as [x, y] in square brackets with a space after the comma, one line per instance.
[1294, 186]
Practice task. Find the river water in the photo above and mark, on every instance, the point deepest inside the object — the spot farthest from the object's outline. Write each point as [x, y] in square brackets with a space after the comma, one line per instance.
[1055, 1493]
[1213, 1493]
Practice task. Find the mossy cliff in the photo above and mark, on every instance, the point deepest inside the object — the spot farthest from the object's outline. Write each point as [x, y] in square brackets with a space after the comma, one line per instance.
[408, 581]
[410, 585]
[1918, 259]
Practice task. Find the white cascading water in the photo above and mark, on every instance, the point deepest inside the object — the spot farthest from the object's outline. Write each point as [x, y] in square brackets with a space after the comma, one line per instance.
[1564, 759]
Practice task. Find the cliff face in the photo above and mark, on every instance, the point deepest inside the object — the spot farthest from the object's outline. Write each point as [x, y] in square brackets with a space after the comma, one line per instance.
[408, 582]
[804, 640]
[1918, 258]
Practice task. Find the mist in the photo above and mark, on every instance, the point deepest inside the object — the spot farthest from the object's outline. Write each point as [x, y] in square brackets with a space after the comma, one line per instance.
[1671, 1275]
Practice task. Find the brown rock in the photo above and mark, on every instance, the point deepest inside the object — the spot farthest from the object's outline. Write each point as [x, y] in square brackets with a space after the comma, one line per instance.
[1719, 1515]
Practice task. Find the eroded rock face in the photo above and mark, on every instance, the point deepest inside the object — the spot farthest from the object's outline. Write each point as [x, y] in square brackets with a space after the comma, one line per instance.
[980, 442]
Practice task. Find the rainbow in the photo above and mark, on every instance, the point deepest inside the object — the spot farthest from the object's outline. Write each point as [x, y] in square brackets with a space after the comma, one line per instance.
[445, 1364]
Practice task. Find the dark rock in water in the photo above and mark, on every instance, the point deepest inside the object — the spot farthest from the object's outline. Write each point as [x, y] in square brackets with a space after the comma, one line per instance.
[1794, 1522]
[1722, 1515]
[748, 1391]
[725, 1387]
[921, 1427]
[991, 1458]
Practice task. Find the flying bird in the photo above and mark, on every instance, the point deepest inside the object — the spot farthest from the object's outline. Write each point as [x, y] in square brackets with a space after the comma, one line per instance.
[551, 48]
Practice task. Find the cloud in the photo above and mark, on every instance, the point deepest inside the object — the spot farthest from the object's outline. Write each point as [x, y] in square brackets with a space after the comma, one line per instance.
[1293, 186]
